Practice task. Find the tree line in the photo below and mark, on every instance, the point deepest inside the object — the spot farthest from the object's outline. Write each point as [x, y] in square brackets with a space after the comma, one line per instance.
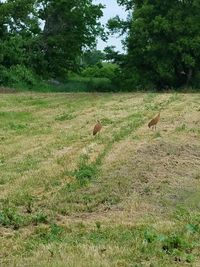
[51, 39]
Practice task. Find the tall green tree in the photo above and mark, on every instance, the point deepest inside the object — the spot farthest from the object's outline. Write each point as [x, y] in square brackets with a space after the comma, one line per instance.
[19, 25]
[70, 26]
[163, 42]
[47, 36]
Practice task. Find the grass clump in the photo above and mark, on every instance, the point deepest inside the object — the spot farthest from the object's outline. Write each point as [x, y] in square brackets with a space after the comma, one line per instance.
[86, 171]
[9, 217]
[65, 117]
[53, 233]
[39, 218]
[181, 128]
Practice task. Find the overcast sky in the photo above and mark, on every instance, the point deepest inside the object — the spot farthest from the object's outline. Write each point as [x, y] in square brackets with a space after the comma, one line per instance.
[111, 10]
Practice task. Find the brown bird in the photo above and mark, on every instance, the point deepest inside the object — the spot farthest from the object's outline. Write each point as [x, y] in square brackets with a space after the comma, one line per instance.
[97, 128]
[154, 122]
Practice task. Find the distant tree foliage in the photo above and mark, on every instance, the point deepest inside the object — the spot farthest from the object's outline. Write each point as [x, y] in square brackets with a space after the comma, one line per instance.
[51, 38]
[70, 26]
[46, 36]
[91, 58]
[163, 42]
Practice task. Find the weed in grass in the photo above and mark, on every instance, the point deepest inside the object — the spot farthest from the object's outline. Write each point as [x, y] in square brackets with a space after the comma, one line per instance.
[38, 102]
[5, 179]
[147, 190]
[71, 187]
[2, 139]
[190, 258]
[10, 218]
[149, 97]
[70, 137]
[193, 228]
[28, 163]
[194, 130]
[65, 117]
[150, 235]
[29, 206]
[111, 200]
[2, 181]
[135, 137]
[175, 242]
[152, 106]
[174, 98]
[98, 225]
[52, 234]
[39, 218]
[197, 176]
[106, 121]
[81, 226]
[181, 128]
[86, 171]
[16, 127]
[157, 135]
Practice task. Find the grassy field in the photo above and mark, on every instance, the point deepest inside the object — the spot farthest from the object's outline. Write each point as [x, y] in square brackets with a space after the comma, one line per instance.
[129, 197]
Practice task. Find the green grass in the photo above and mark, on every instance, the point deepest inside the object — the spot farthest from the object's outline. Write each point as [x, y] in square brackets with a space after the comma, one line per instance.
[128, 197]
[64, 117]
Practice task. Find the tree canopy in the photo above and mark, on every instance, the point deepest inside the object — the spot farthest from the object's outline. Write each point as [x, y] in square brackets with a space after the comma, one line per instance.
[47, 36]
[163, 41]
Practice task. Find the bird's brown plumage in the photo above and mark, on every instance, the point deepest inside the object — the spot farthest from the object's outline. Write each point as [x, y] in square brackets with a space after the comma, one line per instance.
[154, 121]
[97, 128]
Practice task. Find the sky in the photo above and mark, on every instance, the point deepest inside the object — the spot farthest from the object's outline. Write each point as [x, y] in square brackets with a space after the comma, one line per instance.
[111, 10]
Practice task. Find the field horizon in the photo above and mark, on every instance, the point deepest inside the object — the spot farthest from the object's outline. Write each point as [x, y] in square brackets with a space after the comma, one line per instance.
[126, 197]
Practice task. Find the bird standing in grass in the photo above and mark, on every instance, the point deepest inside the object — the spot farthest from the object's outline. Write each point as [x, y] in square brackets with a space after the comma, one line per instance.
[152, 124]
[97, 128]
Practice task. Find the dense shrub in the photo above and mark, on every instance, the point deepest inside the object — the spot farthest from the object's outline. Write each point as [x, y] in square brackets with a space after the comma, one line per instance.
[86, 84]
[106, 70]
[17, 75]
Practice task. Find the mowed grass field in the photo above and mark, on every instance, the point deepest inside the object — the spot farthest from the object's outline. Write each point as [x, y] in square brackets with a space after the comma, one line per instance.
[128, 197]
